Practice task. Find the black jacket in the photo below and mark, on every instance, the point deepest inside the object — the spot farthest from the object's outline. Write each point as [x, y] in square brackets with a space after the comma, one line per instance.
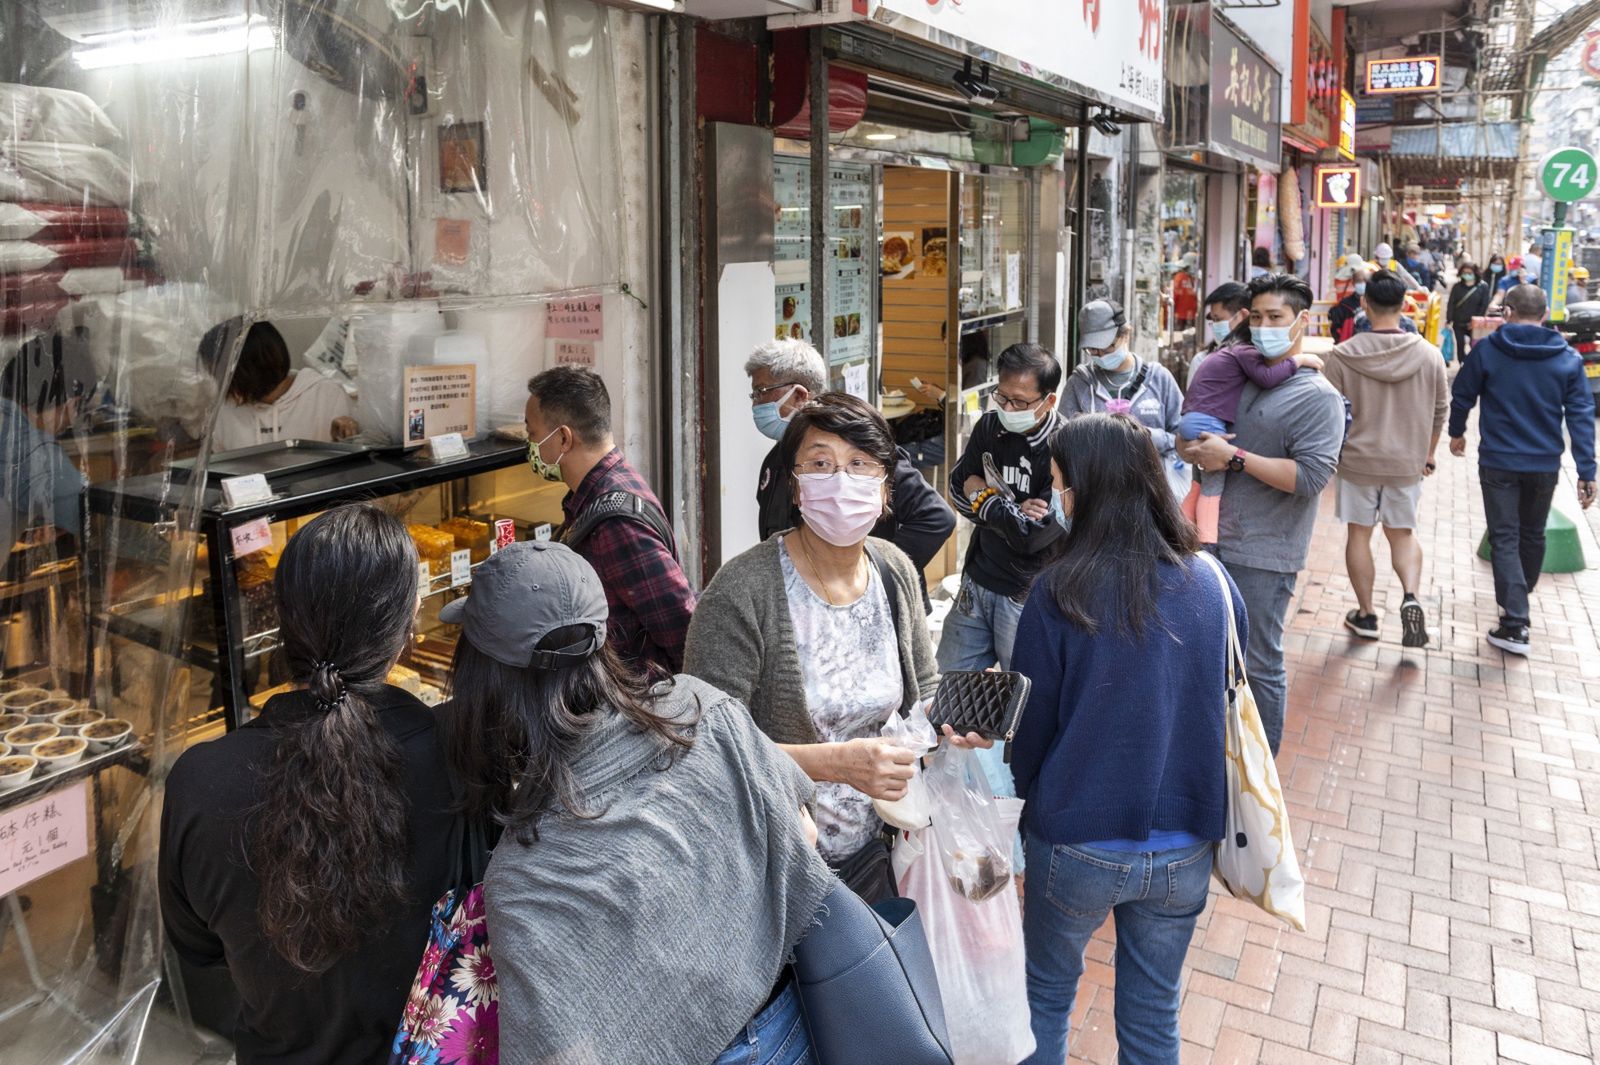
[209, 895]
[919, 520]
[1008, 549]
[1466, 303]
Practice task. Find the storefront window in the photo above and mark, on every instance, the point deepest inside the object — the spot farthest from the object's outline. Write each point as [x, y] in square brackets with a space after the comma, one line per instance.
[286, 169]
[1183, 196]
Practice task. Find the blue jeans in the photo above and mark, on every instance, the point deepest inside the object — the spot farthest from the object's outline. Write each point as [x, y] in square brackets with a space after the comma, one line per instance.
[978, 633]
[1194, 422]
[1267, 595]
[775, 1036]
[1155, 897]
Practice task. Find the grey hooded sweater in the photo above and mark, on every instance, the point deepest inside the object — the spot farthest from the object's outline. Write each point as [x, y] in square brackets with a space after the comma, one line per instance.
[1398, 395]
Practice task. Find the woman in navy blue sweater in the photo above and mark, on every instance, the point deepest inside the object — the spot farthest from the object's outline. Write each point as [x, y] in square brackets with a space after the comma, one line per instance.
[1120, 752]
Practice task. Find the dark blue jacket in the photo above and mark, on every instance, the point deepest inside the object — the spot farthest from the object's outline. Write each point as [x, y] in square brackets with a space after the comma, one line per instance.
[1122, 735]
[1529, 380]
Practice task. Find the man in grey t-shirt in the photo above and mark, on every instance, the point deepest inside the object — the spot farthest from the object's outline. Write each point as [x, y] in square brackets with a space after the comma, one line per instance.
[1286, 443]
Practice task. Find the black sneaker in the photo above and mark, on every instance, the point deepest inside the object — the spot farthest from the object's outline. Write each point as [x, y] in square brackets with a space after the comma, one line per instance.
[1512, 639]
[1414, 622]
[1363, 625]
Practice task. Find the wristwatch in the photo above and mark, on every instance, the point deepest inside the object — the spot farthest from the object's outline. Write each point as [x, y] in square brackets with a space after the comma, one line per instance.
[1236, 464]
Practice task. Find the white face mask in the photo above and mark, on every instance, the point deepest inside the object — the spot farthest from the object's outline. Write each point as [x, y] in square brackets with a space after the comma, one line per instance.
[1018, 421]
[840, 508]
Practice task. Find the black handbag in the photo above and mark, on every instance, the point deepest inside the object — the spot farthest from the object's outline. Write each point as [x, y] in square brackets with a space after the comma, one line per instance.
[867, 986]
[989, 703]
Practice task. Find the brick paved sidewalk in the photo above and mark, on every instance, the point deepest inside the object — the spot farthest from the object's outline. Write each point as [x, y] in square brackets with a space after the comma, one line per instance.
[1444, 803]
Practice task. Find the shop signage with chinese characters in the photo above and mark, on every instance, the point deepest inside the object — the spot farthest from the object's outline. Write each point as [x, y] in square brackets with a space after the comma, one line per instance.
[1245, 95]
[1347, 125]
[1316, 92]
[1417, 73]
[1110, 48]
[1338, 187]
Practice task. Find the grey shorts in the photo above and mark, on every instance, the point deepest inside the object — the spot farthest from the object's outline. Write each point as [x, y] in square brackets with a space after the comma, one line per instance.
[1370, 504]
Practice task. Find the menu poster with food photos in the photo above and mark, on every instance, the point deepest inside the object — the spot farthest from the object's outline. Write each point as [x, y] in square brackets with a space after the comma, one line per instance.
[791, 209]
[793, 311]
[850, 190]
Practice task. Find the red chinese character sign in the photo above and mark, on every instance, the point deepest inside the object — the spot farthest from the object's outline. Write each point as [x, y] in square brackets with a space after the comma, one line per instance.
[1417, 73]
[1591, 53]
[1338, 188]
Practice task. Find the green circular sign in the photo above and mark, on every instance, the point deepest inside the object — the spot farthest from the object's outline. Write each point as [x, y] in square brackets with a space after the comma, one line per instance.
[1568, 174]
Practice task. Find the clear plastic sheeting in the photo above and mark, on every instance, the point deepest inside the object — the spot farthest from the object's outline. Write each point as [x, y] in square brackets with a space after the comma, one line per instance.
[387, 183]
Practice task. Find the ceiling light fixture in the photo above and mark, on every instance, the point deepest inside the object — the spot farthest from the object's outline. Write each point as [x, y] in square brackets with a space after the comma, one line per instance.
[194, 40]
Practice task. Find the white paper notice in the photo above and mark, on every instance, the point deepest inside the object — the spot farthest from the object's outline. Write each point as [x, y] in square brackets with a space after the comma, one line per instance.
[1013, 280]
[855, 380]
[460, 568]
[252, 536]
[42, 836]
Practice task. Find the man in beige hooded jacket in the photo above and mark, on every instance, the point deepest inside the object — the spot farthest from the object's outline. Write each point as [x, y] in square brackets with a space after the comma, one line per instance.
[1395, 382]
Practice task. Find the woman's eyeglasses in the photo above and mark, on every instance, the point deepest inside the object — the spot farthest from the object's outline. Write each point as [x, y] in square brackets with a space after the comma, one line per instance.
[860, 469]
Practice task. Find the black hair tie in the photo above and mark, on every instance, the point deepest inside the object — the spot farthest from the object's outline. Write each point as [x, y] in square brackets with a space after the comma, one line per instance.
[327, 684]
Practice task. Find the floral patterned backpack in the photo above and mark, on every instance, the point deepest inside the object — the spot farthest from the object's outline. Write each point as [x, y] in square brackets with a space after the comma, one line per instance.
[453, 1012]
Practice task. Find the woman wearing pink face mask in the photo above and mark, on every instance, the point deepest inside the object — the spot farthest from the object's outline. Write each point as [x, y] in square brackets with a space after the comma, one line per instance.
[820, 632]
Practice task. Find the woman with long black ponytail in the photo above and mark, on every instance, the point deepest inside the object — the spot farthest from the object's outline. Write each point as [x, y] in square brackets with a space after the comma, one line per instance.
[305, 850]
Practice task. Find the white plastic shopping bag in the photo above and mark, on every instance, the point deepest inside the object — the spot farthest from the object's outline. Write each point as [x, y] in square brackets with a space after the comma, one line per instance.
[915, 733]
[1255, 859]
[960, 876]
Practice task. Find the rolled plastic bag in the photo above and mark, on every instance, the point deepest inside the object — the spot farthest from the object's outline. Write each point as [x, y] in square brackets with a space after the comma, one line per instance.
[959, 873]
[915, 733]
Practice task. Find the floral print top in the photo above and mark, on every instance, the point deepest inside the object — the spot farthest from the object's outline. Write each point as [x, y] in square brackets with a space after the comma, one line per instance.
[851, 662]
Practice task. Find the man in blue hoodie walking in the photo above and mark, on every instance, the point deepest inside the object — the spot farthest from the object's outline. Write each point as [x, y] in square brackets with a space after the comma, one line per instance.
[1529, 380]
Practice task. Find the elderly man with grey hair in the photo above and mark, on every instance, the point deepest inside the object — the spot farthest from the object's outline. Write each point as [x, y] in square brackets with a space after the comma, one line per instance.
[785, 375]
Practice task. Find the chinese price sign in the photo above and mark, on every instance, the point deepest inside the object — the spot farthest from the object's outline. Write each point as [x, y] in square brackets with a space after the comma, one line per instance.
[44, 835]
[1568, 174]
[1417, 73]
[1338, 188]
[439, 400]
[572, 330]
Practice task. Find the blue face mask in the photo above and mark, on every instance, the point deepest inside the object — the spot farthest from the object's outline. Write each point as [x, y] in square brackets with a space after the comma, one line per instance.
[1496, 268]
[1220, 331]
[770, 422]
[1272, 341]
[1111, 359]
[1361, 288]
[1058, 512]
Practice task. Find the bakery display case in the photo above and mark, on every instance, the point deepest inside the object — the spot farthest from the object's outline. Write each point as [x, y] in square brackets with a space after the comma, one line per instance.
[457, 512]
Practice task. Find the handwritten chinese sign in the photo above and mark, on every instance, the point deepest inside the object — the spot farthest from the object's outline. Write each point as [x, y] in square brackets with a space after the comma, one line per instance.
[573, 329]
[439, 400]
[44, 835]
[1417, 73]
[1245, 99]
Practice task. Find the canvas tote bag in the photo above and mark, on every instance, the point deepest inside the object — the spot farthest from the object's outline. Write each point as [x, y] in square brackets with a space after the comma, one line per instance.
[1255, 859]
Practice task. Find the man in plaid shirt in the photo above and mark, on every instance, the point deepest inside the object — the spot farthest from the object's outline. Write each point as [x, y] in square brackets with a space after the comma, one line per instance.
[569, 440]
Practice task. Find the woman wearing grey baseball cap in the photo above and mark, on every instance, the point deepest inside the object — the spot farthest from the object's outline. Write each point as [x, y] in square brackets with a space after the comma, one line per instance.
[654, 841]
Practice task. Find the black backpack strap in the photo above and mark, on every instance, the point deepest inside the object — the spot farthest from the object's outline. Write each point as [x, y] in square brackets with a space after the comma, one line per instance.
[620, 504]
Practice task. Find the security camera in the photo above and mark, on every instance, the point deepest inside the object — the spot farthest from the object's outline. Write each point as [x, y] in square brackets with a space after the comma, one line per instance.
[975, 87]
[1102, 121]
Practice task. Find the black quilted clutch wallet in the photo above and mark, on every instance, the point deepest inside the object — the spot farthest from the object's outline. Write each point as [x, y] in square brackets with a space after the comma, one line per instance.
[987, 703]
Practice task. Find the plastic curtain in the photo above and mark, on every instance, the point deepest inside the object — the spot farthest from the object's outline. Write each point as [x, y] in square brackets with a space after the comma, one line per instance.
[398, 168]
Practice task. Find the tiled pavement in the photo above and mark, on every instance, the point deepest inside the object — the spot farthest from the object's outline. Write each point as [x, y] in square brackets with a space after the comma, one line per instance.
[1446, 806]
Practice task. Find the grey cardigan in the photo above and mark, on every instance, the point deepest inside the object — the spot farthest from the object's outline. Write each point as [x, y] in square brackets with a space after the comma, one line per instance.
[741, 640]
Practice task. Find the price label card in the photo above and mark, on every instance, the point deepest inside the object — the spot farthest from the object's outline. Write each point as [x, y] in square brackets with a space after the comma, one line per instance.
[251, 537]
[460, 568]
[447, 447]
[543, 532]
[242, 491]
[424, 577]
